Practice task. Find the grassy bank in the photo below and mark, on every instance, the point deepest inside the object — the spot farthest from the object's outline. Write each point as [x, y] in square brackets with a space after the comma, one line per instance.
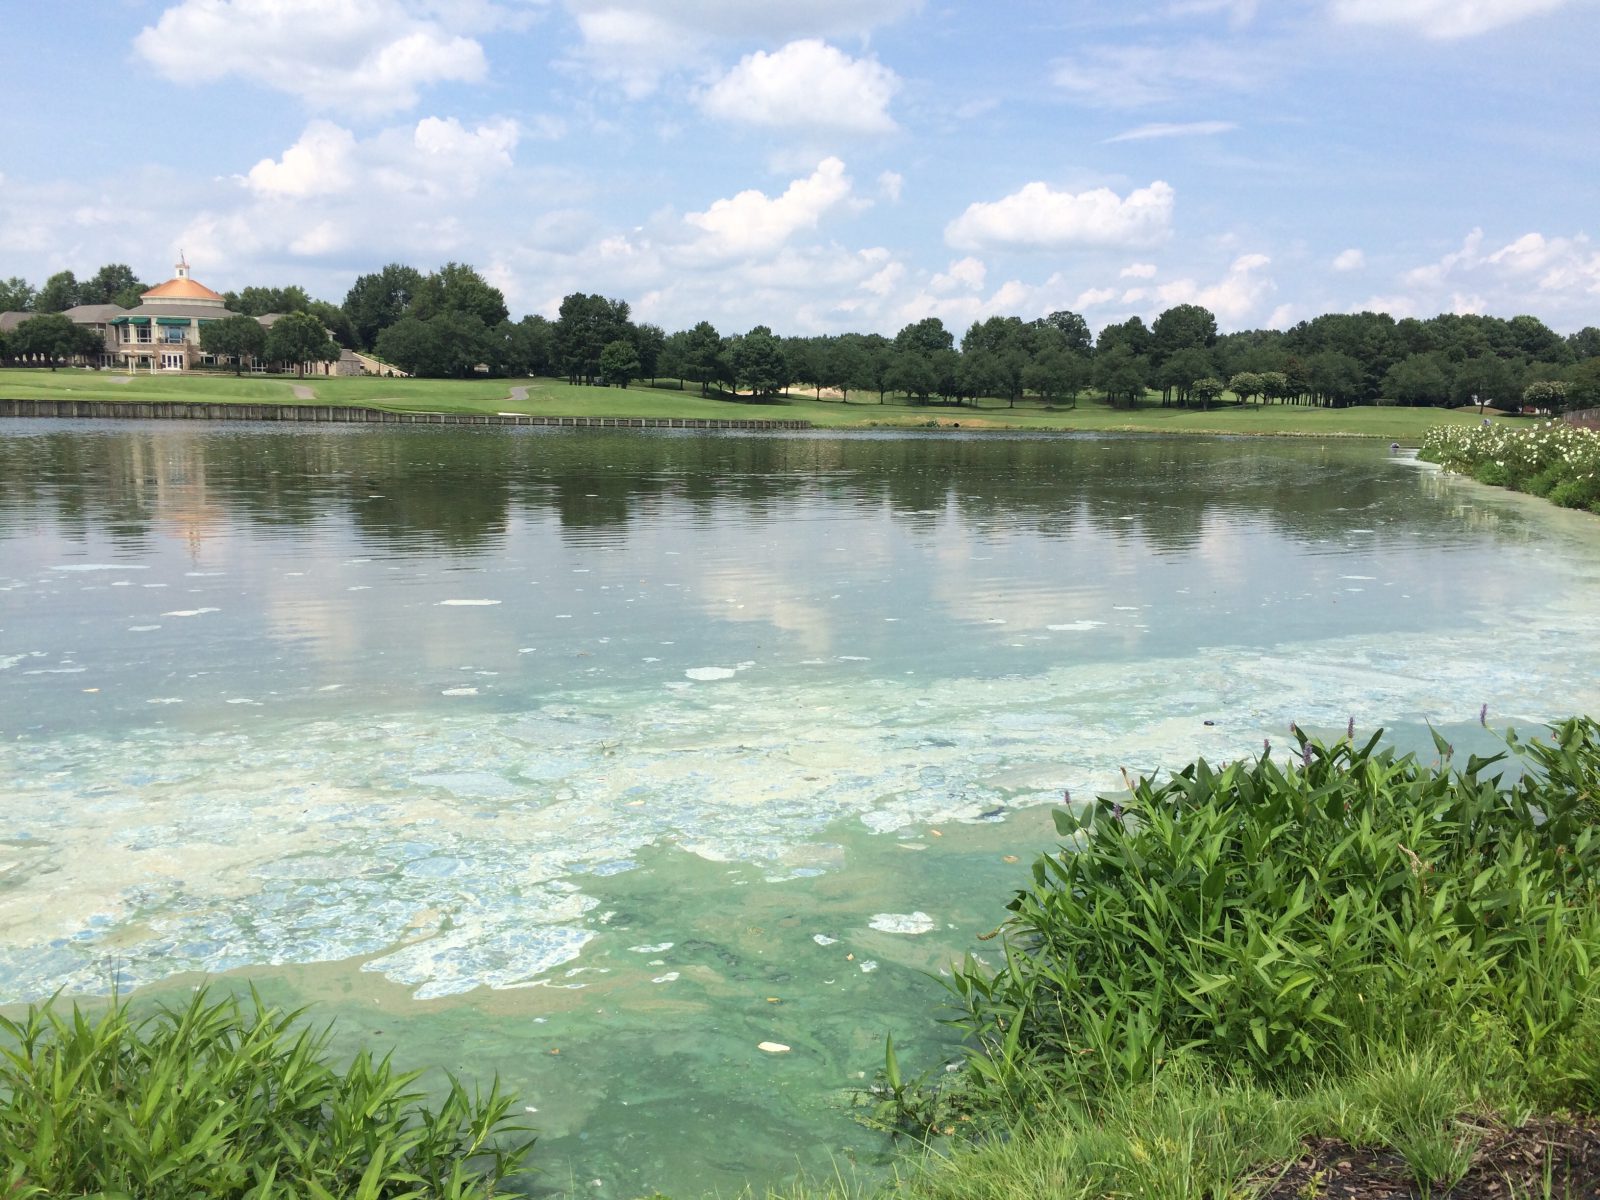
[558, 398]
[1557, 461]
[1325, 964]
[1230, 983]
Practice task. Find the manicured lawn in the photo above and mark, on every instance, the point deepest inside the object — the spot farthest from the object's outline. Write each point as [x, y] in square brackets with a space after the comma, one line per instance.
[557, 398]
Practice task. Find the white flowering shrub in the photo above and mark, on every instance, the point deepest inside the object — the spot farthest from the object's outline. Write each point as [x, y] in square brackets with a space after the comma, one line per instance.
[1551, 458]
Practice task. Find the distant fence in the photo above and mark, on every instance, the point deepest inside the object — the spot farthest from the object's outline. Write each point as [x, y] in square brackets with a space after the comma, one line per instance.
[142, 410]
[1585, 418]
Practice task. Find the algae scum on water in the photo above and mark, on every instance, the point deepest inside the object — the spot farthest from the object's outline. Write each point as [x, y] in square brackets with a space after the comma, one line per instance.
[598, 761]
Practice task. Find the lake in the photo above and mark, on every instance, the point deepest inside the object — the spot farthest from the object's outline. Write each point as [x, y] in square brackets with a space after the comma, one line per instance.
[596, 759]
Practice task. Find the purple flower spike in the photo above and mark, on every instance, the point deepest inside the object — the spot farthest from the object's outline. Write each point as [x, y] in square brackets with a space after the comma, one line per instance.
[1350, 730]
[1305, 755]
[1483, 716]
[1066, 795]
[1266, 745]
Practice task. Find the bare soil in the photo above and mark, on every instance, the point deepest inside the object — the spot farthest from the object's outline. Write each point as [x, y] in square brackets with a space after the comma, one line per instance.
[1548, 1157]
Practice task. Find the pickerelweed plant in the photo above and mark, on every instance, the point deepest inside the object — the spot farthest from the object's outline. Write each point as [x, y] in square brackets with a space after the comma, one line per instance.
[1283, 917]
[217, 1099]
[1552, 458]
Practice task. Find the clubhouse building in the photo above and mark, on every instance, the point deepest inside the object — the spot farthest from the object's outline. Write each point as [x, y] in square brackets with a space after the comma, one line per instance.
[163, 332]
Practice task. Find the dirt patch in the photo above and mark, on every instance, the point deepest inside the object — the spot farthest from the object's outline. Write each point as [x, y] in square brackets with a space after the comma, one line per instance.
[1545, 1157]
[302, 392]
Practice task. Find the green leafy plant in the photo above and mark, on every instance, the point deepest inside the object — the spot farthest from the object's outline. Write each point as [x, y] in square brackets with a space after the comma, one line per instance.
[1276, 917]
[219, 1099]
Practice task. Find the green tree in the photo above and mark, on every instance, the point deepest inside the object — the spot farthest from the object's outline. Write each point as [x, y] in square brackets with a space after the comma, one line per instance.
[1130, 333]
[16, 295]
[758, 363]
[983, 373]
[335, 321]
[529, 345]
[1583, 384]
[114, 283]
[412, 345]
[236, 337]
[1208, 391]
[1182, 327]
[1057, 373]
[1275, 385]
[584, 326]
[648, 341]
[912, 372]
[261, 301]
[1417, 379]
[703, 355]
[1581, 345]
[457, 287]
[1246, 385]
[1009, 345]
[54, 338]
[848, 364]
[1336, 377]
[299, 338]
[619, 363]
[1073, 328]
[375, 302]
[1550, 395]
[1180, 369]
[1483, 380]
[1536, 341]
[59, 293]
[1120, 374]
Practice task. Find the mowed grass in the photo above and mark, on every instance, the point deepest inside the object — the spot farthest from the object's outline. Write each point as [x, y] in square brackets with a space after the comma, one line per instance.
[551, 397]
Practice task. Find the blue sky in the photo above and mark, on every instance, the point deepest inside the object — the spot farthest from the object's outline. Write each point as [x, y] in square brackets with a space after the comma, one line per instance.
[822, 166]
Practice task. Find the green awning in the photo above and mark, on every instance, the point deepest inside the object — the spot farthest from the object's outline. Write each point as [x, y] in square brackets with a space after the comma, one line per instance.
[172, 320]
[130, 320]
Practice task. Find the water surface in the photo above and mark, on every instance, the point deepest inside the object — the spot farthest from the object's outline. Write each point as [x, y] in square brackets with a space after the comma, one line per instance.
[599, 758]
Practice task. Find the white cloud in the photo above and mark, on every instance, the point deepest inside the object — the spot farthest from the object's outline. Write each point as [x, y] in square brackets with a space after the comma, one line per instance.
[1134, 76]
[1349, 260]
[807, 84]
[1443, 18]
[1282, 317]
[890, 185]
[1531, 273]
[1138, 271]
[361, 56]
[752, 223]
[319, 164]
[965, 273]
[439, 157]
[1040, 218]
[1164, 129]
[636, 42]
[443, 157]
[1232, 298]
[1095, 297]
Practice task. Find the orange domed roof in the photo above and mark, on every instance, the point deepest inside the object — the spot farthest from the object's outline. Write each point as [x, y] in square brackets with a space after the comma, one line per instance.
[181, 289]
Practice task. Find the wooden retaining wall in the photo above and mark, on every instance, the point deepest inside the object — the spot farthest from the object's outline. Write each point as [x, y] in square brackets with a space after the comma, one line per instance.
[143, 410]
[1585, 418]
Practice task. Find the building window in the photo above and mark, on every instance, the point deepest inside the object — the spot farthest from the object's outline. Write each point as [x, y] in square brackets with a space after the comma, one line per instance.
[144, 334]
[172, 362]
[174, 335]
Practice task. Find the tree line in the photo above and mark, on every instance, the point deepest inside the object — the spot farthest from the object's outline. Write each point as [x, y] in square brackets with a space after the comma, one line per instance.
[452, 323]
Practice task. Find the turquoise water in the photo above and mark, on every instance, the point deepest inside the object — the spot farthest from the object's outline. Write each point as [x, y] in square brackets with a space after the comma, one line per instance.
[597, 759]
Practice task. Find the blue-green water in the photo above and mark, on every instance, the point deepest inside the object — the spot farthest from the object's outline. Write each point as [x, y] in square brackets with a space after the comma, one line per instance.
[598, 759]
